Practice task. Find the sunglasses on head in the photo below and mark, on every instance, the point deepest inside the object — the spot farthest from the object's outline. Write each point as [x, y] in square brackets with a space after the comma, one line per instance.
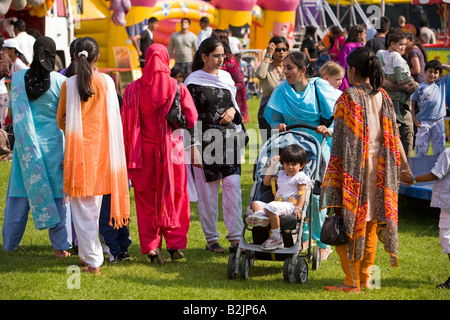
[281, 49]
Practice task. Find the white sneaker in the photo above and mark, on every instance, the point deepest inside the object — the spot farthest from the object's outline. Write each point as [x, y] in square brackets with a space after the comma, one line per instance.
[273, 243]
[257, 220]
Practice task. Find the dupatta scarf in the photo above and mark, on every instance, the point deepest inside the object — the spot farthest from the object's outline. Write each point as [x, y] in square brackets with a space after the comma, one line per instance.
[74, 165]
[222, 80]
[301, 107]
[346, 181]
[36, 181]
[154, 91]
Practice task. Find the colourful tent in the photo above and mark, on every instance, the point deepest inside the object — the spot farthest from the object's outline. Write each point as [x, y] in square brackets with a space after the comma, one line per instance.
[430, 1]
[349, 2]
[446, 13]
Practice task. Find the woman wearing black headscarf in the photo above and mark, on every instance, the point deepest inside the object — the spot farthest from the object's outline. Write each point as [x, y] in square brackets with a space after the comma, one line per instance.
[36, 178]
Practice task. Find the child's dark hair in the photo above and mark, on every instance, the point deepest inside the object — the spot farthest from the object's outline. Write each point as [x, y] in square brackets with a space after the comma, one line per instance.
[394, 36]
[367, 65]
[175, 71]
[434, 64]
[293, 153]
[206, 47]
[301, 60]
[87, 51]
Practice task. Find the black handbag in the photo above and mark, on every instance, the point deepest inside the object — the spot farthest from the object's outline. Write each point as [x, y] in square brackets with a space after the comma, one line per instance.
[175, 117]
[333, 230]
[323, 121]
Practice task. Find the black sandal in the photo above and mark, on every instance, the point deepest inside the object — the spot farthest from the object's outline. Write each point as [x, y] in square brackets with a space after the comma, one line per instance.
[445, 285]
[155, 256]
[215, 246]
[175, 254]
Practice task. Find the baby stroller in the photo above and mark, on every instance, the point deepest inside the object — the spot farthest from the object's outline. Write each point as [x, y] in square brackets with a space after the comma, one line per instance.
[295, 257]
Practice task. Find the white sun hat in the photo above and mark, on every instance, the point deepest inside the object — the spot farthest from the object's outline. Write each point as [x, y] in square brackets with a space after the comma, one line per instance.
[12, 43]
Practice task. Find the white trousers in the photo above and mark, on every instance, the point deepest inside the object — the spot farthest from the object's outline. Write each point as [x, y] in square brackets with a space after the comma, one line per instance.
[85, 215]
[208, 205]
[444, 231]
[430, 132]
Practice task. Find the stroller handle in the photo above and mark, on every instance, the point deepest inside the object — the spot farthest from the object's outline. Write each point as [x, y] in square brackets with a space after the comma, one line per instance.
[301, 125]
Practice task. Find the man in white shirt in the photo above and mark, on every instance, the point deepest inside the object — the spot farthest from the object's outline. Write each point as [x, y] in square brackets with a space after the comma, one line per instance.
[206, 30]
[426, 33]
[25, 41]
[235, 44]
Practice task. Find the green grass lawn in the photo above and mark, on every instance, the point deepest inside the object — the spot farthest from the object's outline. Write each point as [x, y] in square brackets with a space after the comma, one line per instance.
[32, 273]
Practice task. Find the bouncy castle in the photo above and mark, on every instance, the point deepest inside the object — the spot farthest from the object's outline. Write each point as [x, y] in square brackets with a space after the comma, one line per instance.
[254, 22]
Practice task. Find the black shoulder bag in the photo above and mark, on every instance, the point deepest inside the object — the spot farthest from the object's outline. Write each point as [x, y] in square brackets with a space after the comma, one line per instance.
[325, 122]
[333, 230]
[175, 117]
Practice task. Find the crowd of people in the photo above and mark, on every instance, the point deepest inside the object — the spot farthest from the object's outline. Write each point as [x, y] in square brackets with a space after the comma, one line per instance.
[80, 146]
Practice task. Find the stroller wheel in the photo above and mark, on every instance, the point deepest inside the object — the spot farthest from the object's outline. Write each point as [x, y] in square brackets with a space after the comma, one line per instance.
[289, 270]
[231, 269]
[316, 258]
[301, 270]
[245, 266]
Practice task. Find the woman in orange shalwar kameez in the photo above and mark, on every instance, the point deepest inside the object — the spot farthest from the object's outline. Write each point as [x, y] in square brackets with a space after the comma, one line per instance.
[363, 175]
[155, 156]
[94, 160]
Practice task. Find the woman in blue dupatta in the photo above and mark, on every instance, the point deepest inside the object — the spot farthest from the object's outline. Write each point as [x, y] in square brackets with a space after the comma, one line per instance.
[295, 101]
[36, 177]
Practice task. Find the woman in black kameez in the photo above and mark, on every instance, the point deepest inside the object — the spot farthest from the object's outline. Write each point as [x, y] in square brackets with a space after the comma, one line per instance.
[216, 143]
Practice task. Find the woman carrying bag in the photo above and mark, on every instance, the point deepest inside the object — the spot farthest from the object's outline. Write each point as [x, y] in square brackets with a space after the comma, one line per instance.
[155, 156]
[363, 175]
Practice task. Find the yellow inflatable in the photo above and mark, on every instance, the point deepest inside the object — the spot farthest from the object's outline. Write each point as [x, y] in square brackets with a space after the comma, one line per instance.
[254, 22]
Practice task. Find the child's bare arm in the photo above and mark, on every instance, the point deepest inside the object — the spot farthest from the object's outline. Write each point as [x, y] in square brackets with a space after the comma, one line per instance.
[421, 178]
[446, 67]
[426, 177]
[301, 200]
[413, 113]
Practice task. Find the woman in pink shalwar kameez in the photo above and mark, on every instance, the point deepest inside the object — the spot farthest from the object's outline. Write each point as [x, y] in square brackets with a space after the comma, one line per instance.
[155, 156]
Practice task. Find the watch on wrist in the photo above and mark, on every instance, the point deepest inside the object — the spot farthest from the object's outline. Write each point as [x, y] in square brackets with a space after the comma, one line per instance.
[414, 180]
[268, 55]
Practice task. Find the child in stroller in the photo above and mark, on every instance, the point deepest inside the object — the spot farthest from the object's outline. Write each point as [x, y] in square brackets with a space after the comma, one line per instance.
[289, 198]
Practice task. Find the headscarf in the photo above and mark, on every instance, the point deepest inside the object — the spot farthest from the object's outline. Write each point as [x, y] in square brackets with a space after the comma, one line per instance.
[156, 86]
[152, 94]
[37, 78]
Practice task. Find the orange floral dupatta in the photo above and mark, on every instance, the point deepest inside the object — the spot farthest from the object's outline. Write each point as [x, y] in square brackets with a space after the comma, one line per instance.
[345, 183]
